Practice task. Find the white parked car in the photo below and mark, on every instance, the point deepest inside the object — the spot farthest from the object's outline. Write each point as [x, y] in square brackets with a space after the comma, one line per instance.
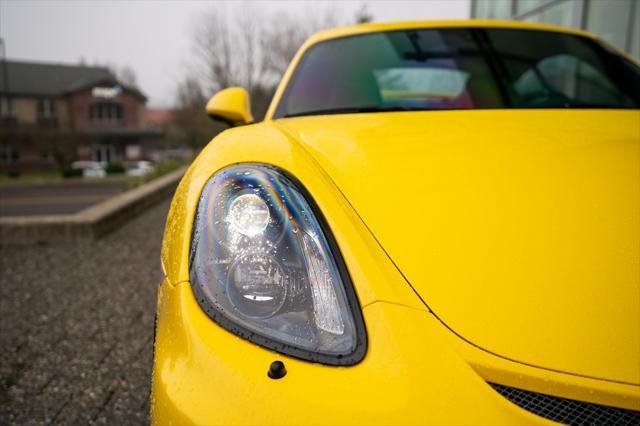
[140, 168]
[91, 169]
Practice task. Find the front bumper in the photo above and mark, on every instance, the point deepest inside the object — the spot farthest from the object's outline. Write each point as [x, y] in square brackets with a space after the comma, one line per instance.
[204, 374]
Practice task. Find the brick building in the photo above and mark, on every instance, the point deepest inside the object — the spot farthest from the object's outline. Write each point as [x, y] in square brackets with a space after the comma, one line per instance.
[53, 114]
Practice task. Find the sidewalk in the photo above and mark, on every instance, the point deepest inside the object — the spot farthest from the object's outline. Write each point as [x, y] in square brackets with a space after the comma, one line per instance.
[76, 327]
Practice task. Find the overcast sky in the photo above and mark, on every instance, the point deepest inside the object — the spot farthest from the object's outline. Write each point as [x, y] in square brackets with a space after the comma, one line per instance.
[153, 37]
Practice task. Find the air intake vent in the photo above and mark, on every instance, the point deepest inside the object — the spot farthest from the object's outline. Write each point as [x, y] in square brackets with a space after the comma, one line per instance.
[568, 411]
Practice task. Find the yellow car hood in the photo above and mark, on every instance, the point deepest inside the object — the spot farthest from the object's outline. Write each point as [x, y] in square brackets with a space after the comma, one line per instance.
[518, 228]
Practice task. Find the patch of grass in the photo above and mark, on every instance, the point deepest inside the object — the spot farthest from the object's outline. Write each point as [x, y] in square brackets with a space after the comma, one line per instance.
[160, 169]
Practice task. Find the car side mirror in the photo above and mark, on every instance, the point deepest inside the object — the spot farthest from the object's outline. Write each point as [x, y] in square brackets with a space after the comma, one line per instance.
[230, 106]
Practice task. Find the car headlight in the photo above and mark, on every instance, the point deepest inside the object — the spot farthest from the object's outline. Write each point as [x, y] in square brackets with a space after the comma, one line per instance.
[264, 265]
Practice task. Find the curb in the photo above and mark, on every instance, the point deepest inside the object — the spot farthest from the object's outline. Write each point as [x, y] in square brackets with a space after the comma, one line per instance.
[92, 222]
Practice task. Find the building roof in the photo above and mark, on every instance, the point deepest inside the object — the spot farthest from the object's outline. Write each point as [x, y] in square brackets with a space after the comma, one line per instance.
[44, 79]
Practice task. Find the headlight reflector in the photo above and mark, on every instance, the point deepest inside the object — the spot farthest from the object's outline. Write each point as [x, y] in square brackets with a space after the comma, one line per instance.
[264, 265]
[249, 215]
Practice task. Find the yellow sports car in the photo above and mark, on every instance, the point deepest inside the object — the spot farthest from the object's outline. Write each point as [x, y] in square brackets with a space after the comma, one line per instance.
[436, 223]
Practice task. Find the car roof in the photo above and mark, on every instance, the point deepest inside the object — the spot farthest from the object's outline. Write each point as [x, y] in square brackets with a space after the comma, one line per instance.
[468, 23]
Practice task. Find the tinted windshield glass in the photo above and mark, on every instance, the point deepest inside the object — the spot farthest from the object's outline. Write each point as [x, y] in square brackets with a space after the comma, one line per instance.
[459, 68]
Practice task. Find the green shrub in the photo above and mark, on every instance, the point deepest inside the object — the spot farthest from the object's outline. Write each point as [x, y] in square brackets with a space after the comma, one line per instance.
[166, 166]
[115, 168]
[159, 169]
[69, 172]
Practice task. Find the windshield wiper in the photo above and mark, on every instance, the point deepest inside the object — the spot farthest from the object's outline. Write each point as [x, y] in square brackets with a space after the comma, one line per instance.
[584, 105]
[355, 110]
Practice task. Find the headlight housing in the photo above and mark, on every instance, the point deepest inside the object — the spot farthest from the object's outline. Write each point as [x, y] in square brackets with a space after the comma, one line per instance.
[264, 265]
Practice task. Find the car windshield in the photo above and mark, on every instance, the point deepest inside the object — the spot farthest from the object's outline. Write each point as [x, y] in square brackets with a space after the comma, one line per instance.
[459, 68]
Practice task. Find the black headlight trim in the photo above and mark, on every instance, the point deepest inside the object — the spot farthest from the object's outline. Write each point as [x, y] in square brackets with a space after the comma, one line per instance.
[359, 352]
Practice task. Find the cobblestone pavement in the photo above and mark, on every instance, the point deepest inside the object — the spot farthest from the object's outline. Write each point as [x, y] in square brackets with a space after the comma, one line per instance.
[76, 327]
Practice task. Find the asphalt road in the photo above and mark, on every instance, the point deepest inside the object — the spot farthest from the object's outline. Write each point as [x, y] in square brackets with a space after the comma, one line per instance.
[54, 198]
[76, 327]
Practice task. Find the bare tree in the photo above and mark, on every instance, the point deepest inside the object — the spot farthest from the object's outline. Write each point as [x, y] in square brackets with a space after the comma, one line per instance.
[283, 39]
[238, 46]
[363, 15]
[227, 49]
[190, 95]
[127, 76]
[194, 128]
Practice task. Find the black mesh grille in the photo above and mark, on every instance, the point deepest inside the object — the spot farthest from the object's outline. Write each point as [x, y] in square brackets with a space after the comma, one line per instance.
[568, 411]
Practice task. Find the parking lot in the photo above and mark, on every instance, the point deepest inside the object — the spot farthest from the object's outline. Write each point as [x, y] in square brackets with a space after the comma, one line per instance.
[28, 199]
[76, 334]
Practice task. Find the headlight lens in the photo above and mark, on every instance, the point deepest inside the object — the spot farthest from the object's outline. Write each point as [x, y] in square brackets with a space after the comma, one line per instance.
[265, 266]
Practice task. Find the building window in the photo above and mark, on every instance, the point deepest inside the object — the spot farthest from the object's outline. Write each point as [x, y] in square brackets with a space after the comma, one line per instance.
[560, 13]
[617, 21]
[46, 108]
[492, 9]
[634, 49]
[610, 20]
[8, 154]
[524, 6]
[7, 107]
[106, 112]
